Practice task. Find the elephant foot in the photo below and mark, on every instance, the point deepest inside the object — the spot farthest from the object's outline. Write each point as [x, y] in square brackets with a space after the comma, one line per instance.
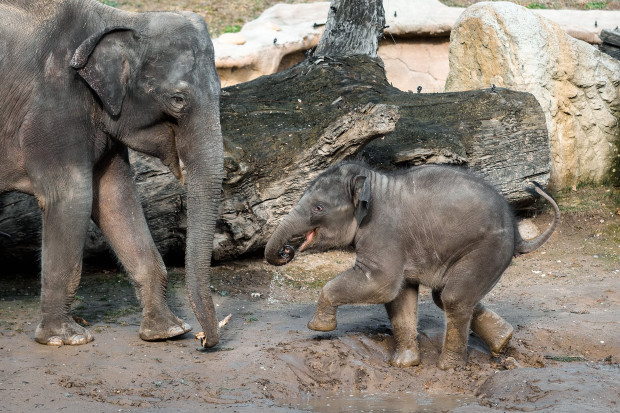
[406, 357]
[67, 332]
[498, 342]
[325, 316]
[493, 329]
[322, 322]
[450, 359]
[162, 327]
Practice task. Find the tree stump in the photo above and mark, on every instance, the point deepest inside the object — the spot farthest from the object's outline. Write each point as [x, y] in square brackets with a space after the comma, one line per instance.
[281, 130]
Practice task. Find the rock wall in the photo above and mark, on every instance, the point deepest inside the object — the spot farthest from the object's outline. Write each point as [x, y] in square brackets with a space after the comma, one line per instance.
[578, 86]
[416, 61]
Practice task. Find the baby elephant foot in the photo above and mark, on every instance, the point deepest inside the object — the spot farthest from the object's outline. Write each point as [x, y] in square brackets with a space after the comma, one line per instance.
[162, 327]
[493, 329]
[449, 360]
[67, 332]
[405, 357]
[325, 316]
[322, 322]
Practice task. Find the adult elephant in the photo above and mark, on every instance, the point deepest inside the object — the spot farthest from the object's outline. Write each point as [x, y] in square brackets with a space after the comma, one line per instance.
[80, 82]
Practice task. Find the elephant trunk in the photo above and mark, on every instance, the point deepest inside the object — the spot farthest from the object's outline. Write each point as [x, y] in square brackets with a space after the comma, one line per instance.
[200, 148]
[277, 251]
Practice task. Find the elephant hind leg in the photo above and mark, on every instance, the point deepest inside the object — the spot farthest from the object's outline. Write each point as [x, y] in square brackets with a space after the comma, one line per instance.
[454, 351]
[492, 328]
[488, 325]
[467, 282]
[65, 221]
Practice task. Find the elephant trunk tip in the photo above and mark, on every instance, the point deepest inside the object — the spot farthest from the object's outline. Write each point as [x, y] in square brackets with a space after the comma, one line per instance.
[284, 256]
[207, 341]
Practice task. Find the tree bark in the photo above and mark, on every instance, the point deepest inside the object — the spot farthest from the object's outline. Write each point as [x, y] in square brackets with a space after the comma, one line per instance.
[611, 42]
[281, 130]
[352, 28]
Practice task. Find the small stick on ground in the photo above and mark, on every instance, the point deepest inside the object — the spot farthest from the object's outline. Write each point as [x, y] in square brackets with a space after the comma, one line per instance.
[201, 335]
[224, 321]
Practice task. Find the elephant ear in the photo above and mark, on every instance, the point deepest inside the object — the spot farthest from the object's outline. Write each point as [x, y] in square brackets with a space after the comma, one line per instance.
[361, 197]
[101, 61]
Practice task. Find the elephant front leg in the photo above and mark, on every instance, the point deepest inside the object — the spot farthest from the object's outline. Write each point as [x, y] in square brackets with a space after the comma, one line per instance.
[325, 315]
[357, 285]
[117, 211]
[403, 317]
[65, 221]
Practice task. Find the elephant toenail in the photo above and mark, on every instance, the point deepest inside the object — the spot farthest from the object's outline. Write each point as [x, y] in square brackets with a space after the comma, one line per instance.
[54, 341]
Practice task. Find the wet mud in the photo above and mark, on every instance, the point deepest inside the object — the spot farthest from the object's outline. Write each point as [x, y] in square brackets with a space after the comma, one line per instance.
[562, 300]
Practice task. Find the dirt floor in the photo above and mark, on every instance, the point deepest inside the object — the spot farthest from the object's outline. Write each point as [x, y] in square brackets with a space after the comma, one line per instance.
[563, 301]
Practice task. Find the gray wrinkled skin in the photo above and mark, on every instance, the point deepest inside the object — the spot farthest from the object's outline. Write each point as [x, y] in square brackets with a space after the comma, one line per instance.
[433, 225]
[80, 82]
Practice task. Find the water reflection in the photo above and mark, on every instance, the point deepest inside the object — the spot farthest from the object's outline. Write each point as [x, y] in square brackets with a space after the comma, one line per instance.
[373, 403]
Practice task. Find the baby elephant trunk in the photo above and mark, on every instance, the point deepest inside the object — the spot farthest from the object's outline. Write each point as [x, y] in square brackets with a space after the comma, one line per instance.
[278, 251]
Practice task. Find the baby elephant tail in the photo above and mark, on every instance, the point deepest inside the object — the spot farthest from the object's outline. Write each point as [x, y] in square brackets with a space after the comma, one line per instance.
[523, 246]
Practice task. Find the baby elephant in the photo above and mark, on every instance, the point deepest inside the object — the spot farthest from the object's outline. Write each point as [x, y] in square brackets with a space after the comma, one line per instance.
[438, 226]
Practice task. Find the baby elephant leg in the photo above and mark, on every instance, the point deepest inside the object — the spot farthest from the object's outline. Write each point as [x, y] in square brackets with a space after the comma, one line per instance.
[488, 325]
[454, 352]
[353, 286]
[403, 317]
[325, 315]
[493, 329]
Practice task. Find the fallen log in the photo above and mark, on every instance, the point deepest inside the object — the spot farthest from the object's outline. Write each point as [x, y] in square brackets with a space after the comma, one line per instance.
[281, 130]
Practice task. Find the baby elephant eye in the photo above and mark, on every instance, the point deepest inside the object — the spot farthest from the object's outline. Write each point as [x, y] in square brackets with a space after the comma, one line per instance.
[179, 100]
[318, 208]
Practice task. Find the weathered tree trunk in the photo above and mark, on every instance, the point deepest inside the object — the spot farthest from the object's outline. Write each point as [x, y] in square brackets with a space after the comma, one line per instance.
[353, 28]
[281, 130]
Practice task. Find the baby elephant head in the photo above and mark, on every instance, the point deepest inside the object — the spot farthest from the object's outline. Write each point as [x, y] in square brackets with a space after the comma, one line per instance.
[328, 213]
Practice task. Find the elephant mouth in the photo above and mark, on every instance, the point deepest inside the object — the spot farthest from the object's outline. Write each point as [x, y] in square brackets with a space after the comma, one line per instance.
[310, 235]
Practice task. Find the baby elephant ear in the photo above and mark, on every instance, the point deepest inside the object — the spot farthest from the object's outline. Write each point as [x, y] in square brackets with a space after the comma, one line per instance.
[361, 197]
[100, 61]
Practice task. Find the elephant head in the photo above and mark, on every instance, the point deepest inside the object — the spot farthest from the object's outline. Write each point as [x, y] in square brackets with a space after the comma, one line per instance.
[158, 88]
[328, 214]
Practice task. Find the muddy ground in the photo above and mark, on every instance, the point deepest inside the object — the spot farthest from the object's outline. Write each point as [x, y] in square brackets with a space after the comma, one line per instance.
[563, 301]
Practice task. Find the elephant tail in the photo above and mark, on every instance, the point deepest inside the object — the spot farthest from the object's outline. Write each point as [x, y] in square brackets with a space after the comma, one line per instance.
[525, 246]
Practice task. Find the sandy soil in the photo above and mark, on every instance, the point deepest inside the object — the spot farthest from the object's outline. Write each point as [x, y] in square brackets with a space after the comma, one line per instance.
[563, 301]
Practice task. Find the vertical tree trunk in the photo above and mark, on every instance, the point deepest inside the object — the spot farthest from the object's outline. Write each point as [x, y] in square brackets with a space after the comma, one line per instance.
[353, 28]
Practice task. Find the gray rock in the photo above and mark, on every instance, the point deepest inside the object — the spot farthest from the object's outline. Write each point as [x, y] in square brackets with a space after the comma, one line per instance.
[578, 87]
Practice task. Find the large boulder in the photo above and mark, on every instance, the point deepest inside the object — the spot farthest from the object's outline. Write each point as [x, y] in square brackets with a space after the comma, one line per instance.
[507, 45]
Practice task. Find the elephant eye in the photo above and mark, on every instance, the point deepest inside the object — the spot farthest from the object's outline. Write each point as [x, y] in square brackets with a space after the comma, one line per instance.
[178, 100]
[317, 208]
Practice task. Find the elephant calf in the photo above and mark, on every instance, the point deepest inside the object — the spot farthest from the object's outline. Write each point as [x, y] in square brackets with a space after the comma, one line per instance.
[438, 226]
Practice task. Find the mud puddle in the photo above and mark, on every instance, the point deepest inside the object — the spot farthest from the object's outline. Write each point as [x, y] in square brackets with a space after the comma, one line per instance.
[563, 301]
[384, 403]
